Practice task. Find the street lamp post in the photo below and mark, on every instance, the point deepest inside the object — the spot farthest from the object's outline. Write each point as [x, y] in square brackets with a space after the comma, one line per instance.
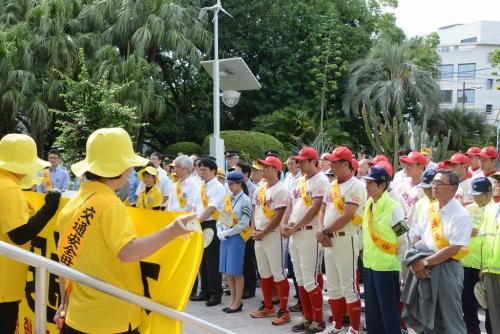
[216, 143]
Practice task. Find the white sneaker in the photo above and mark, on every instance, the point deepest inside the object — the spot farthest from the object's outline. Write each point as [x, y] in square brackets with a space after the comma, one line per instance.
[332, 329]
[352, 331]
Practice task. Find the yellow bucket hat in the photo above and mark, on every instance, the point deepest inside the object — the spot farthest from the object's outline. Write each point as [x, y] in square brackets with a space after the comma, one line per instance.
[220, 172]
[30, 180]
[149, 170]
[18, 154]
[109, 154]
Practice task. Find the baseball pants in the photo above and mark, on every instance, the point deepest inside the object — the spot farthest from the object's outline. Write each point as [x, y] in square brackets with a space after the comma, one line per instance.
[270, 256]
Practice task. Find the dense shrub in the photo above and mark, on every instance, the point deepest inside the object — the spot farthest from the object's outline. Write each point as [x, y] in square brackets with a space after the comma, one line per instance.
[251, 145]
[186, 147]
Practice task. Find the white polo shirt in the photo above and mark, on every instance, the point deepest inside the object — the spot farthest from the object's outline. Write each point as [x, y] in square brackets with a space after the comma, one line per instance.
[316, 188]
[215, 194]
[457, 225]
[463, 190]
[276, 197]
[190, 191]
[409, 193]
[352, 191]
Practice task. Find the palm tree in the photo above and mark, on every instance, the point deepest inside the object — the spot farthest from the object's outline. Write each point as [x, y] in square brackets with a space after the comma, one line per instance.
[388, 88]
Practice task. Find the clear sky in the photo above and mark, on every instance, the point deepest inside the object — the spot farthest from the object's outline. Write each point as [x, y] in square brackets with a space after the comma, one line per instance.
[420, 17]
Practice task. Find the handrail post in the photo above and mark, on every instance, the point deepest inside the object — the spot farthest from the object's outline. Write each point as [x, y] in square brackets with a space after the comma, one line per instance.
[40, 299]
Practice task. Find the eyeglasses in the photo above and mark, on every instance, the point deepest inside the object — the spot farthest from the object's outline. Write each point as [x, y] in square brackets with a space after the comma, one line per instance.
[439, 184]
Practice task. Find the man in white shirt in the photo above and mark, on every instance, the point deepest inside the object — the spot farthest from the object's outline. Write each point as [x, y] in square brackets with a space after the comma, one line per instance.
[324, 164]
[304, 248]
[339, 221]
[270, 202]
[184, 194]
[459, 164]
[444, 228]
[210, 203]
[475, 166]
[400, 175]
[408, 190]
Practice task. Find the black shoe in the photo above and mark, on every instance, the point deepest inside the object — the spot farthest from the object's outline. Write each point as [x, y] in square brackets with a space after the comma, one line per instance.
[248, 294]
[213, 301]
[200, 297]
[225, 309]
[235, 310]
[301, 327]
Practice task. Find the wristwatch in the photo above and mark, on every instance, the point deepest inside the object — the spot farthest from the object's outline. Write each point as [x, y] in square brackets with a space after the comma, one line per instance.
[325, 232]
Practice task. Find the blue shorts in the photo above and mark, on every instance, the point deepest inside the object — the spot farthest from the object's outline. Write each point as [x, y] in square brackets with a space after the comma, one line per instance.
[232, 255]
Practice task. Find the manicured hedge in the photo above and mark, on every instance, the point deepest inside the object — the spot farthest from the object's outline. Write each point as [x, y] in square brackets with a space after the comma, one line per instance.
[250, 144]
[185, 147]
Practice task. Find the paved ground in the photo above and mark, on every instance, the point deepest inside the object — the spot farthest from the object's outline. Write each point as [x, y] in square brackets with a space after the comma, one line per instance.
[241, 323]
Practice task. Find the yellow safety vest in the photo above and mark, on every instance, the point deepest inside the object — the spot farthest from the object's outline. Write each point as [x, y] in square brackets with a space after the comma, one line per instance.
[376, 256]
[490, 249]
[473, 259]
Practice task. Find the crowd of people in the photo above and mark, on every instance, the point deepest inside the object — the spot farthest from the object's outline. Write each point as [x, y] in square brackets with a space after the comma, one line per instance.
[422, 240]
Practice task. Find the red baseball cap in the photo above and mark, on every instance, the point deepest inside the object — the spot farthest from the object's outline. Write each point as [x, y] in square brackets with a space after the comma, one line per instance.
[271, 161]
[340, 153]
[307, 153]
[414, 158]
[489, 152]
[377, 159]
[354, 164]
[457, 158]
[441, 165]
[474, 151]
[387, 166]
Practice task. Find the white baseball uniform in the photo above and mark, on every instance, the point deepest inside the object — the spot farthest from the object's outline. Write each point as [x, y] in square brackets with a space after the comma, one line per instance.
[269, 251]
[304, 248]
[341, 259]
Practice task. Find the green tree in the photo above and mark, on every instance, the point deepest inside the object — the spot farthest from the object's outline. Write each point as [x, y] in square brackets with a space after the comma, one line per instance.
[468, 128]
[89, 106]
[388, 88]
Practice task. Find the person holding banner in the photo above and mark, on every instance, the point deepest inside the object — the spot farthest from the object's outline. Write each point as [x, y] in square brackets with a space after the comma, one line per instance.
[232, 222]
[18, 223]
[99, 239]
[440, 240]
[54, 177]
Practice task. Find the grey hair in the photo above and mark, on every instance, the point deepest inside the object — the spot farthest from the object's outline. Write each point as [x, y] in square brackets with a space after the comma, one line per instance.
[185, 162]
[452, 176]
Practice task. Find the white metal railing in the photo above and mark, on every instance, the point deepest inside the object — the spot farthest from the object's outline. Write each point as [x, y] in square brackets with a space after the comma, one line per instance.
[42, 265]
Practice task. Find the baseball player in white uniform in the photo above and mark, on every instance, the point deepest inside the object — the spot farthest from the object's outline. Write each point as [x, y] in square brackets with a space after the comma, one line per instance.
[270, 201]
[304, 247]
[339, 221]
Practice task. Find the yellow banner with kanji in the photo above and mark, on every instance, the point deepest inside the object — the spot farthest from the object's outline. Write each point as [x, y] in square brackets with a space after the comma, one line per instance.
[167, 276]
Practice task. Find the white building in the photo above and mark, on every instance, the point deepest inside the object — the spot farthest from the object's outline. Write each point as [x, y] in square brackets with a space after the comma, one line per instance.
[465, 51]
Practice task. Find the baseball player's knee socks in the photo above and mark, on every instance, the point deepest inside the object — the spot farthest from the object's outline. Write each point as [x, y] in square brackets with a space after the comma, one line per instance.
[354, 311]
[267, 291]
[320, 281]
[305, 303]
[283, 292]
[316, 298]
[338, 307]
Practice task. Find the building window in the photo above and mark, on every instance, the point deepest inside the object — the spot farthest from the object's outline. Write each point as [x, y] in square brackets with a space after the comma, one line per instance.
[469, 40]
[467, 70]
[489, 108]
[446, 96]
[489, 83]
[446, 71]
[469, 95]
